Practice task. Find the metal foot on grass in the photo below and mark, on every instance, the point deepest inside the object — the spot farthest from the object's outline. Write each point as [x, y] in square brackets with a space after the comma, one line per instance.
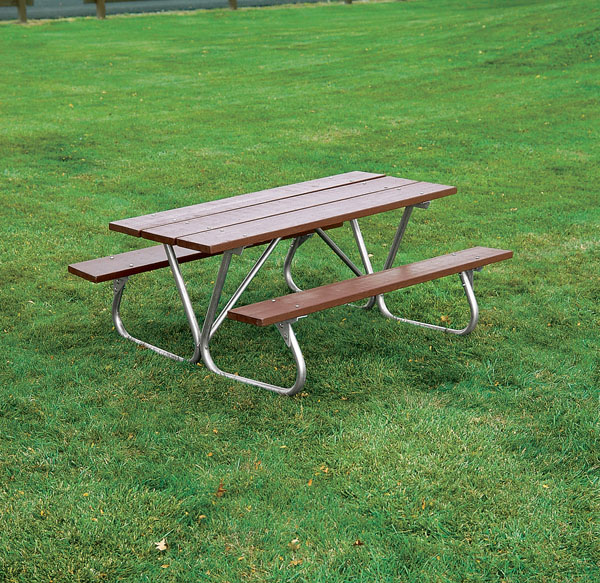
[466, 278]
[211, 323]
[118, 289]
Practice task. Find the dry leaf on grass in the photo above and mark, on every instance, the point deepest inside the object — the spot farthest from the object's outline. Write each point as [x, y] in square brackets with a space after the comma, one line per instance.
[294, 545]
[220, 490]
[162, 545]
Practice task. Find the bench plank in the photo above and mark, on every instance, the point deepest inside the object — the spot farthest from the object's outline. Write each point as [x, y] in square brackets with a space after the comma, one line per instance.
[130, 263]
[292, 223]
[171, 232]
[352, 290]
[135, 225]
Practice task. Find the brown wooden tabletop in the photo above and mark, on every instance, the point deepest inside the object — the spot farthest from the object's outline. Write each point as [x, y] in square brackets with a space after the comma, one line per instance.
[259, 217]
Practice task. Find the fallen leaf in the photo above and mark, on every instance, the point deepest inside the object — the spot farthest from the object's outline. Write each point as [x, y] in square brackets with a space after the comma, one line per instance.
[358, 543]
[310, 482]
[220, 490]
[162, 545]
[295, 562]
[294, 545]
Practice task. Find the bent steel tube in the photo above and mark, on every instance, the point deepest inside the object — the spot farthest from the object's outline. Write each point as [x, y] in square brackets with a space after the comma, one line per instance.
[287, 333]
[466, 278]
[287, 264]
[242, 288]
[284, 328]
[118, 289]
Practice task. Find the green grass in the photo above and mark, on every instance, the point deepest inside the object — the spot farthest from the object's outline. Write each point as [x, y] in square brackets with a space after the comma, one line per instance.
[449, 459]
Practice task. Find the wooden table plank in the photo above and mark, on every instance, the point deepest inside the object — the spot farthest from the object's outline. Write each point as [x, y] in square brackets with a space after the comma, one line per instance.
[289, 224]
[135, 225]
[171, 232]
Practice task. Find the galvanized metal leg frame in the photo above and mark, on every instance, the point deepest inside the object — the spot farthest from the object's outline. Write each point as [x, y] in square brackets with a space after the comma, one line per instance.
[119, 288]
[212, 321]
[466, 277]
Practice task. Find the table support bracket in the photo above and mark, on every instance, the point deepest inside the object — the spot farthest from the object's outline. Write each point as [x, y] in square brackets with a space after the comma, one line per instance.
[284, 328]
[119, 288]
[244, 285]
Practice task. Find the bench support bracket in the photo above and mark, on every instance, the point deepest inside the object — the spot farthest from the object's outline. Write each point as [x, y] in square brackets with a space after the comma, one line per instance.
[466, 278]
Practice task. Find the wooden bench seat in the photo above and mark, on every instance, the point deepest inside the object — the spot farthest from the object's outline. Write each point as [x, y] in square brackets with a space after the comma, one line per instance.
[313, 300]
[130, 263]
[139, 261]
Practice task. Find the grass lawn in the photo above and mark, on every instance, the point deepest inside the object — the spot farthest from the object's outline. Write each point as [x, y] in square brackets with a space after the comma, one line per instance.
[411, 456]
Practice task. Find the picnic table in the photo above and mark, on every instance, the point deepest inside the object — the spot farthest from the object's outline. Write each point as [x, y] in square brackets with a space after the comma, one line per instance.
[295, 212]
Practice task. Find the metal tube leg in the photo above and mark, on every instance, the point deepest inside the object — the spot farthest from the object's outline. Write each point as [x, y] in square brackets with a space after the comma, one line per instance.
[398, 237]
[118, 289]
[284, 328]
[364, 255]
[336, 249]
[185, 300]
[287, 333]
[466, 278]
[287, 264]
[392, 252]
[242, 288]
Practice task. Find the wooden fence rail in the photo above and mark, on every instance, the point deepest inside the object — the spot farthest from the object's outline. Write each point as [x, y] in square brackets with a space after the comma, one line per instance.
[100, 6]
